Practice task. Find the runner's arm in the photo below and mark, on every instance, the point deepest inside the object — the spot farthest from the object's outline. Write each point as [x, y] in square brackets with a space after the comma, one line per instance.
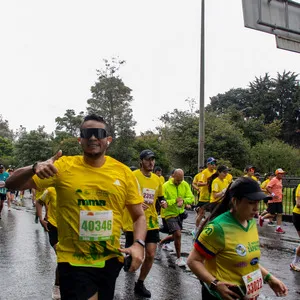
[21, 179]
[196, 264]
[298, 201]
[275, 284]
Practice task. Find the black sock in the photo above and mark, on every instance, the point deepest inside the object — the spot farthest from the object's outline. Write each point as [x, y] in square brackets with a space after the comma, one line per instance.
[140, 282]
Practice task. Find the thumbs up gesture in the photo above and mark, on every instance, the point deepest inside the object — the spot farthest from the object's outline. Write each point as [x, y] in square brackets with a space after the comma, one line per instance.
[46, 169]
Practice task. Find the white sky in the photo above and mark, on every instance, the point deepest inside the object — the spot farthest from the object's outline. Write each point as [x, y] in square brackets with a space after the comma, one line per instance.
[50, 51]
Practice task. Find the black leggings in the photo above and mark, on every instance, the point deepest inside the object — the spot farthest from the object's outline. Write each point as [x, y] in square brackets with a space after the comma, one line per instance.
[206, 295]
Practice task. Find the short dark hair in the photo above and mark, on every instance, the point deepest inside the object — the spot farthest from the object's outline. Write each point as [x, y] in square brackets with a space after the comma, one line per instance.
[156, 169]
[93, 117]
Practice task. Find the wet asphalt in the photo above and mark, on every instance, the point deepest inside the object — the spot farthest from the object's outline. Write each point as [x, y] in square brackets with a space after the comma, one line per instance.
[27, 262]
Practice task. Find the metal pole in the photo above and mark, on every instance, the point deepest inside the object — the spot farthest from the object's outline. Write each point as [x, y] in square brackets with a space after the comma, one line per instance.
[201, 102]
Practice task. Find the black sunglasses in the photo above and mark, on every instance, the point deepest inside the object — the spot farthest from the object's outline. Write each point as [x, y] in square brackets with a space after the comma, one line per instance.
[98, 133]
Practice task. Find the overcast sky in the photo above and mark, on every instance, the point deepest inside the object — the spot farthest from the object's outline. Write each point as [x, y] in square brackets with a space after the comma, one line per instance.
[50, 51]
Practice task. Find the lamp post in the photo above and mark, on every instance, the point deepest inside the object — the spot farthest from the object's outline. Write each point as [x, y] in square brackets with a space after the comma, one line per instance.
[201, 137]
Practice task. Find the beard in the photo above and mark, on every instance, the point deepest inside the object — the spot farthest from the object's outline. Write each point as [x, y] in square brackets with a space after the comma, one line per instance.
[94, 155]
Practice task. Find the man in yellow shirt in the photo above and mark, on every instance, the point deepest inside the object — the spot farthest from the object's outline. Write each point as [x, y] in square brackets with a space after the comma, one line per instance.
[151, 188]
[196, 180]
[92, 192]
[158, 172]
[250, 172]
[48, 199]
[203, 184]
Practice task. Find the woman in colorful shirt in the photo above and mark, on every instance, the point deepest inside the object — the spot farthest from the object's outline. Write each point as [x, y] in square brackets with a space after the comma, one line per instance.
[295, 265]
[226, 253]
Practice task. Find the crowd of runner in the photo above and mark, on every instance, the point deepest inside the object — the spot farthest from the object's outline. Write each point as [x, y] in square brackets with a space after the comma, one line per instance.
[92, 198]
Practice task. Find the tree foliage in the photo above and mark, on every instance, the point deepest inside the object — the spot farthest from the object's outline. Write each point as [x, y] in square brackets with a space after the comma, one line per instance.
[267, 100]
[5, 132]
[69, 124]
[273, 154]
[111, 99]
[33, 146]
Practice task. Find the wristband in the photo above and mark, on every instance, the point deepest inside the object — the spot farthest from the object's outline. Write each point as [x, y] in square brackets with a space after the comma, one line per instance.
[141, 242]
[272, 194]
[267, 277]
[33, 167]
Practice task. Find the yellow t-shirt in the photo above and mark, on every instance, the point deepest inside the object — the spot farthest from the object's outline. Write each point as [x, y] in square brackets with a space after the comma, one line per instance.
[217, 186]
[197, 179]
[263, 186]
[204, 193]
[162, 179]
[90, 206]
[39, 193]
[151, 188]
[49, 198]
[253, 177]
[296, 210]
[228, 178]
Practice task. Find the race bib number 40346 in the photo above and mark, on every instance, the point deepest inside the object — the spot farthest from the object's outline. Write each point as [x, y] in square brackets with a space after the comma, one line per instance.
[95, 225]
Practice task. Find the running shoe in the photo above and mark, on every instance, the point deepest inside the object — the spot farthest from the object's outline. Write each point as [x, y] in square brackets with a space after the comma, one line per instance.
[279, 230]
[180, 262]
[167, 247]
[295, 267]
[141, 290]
[260, 221]
[55, 292]
[271, 223]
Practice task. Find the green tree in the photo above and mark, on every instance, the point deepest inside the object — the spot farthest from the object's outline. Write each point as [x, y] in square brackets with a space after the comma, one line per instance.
[111, 99]
[69, 124]
[179, 139]
[225, 141]
[33, 146]
[273, 154]
[152, 141]
[5, 132]
[69, 146]
[6, 151]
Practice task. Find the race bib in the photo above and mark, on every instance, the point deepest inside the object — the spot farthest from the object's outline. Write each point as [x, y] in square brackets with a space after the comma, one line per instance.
[95, 225]
[254, 283]
[148, 195]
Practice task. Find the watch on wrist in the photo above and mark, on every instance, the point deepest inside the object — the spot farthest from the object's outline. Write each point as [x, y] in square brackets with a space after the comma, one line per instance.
[141, 242]
[213, 284]
[33, 167]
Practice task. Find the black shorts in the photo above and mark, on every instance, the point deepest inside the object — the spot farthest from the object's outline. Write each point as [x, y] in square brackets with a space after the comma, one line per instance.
[202, 203]
[53, 236]
[296, 221]
[2, 197]
[81, 283]
[275, 208]
[151, 237]
[164, 228]
[174, 224]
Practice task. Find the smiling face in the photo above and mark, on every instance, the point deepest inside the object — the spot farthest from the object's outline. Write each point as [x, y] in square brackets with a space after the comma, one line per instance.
[94, 147]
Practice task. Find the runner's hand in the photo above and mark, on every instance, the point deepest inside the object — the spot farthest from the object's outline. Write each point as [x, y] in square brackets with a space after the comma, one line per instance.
[145, 206]
[164, 204]
[137, 253]
[278, 286]
[46, 169]
[44, 223]
[225, 292]
[179, 202]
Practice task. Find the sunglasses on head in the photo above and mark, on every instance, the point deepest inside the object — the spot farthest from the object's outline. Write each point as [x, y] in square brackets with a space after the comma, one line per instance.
[98, 133]
[213, 163]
